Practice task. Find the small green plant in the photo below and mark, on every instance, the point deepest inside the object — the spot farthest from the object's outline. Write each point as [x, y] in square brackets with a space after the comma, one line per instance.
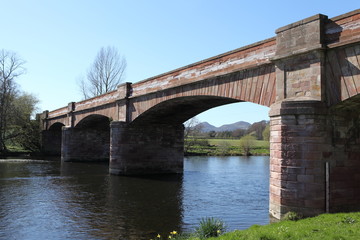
[210, 227]
[292, 216]
[348, 220]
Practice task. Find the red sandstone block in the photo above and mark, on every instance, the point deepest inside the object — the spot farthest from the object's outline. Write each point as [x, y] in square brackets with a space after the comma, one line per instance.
[315, 187]
[292, 202]
[275, 168]
[355, 156]
[305, 178]
[316, 203]
[275, 175]
[275, 182]
[299, 186]
[337, 201]
[288, 193]
[336, 185]
[314, 171]
[275, 190]
[292, 170]
[288, 177]
[274, 198]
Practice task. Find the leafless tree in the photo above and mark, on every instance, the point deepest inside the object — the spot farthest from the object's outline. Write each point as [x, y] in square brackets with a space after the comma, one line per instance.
[105, 74]
[192, 131]
[11, 67]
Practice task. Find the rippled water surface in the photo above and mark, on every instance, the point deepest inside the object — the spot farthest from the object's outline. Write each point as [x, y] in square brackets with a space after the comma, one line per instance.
[54, 200]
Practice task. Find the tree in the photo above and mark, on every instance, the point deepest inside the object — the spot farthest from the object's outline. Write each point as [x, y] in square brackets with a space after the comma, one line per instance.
[192, 131]
[247, 143]
[22, 131]
[11, 67]
[257, 128]
[266, 133]
[105, 74]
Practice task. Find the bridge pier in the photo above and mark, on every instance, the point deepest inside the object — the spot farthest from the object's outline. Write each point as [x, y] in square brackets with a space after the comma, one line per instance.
[85, 144]
[299, 145]
[51, 142]
[314, 159]
[148, 149]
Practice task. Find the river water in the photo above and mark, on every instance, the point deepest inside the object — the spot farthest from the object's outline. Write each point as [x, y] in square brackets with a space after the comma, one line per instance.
[52, 200]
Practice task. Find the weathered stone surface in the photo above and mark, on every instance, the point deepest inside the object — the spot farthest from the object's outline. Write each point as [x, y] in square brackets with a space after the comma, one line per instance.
[146, 149]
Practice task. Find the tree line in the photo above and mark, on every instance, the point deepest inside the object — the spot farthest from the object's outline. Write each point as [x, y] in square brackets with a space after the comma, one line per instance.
[16, 106]
[260, 130]
[19, 130]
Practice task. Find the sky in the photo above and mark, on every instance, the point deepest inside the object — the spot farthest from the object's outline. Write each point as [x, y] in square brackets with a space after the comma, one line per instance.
[59, 39]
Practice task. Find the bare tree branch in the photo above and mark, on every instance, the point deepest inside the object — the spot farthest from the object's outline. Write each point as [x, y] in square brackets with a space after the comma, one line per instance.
[105, 74]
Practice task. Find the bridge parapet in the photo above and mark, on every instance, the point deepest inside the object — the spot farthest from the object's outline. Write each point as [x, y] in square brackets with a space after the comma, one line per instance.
[97, 101]
[343, 29]
[247, 57]
[58, 112]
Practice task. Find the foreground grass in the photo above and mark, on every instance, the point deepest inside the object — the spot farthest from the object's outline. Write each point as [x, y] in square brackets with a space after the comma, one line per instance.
[341, 226]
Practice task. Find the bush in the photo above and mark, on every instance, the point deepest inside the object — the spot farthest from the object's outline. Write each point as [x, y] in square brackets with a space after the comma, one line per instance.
[292, 216]
[247, 143]
[210, 227]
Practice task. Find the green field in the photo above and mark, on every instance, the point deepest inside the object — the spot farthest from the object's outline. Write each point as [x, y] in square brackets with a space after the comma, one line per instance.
[225, 147]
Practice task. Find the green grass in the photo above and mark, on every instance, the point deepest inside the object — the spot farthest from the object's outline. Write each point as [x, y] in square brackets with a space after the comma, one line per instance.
[341, 226]
[227, 147]
[236, 142]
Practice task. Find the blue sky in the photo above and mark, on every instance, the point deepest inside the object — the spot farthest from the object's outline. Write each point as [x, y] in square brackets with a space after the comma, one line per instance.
[60, 39]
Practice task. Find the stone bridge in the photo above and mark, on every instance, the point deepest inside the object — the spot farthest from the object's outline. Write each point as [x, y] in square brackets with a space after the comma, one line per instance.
[309, 77]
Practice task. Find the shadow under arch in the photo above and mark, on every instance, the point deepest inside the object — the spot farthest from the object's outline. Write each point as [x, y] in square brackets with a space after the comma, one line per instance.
[88, 141]
[344, 160]
[96, 121]
[178, 110]
[51, 139]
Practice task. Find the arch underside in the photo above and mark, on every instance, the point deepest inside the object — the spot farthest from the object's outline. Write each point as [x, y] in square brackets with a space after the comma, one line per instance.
[179, 110]
[94, 121]
[176, 105]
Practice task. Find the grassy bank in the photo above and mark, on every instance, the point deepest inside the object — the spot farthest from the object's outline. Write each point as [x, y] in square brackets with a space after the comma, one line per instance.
[327, 226]
[340, 226]
[225, 147]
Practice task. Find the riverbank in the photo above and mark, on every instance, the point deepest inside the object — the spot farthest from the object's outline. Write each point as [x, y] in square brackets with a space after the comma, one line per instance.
[326, 226]
[225, 147]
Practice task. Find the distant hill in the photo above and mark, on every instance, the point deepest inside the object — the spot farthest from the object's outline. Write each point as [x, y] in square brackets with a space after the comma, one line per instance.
[207, 127]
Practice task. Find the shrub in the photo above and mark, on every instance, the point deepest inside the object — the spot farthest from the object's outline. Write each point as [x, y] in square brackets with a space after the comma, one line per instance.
[247, 143]
[292, 216]
[210, 227]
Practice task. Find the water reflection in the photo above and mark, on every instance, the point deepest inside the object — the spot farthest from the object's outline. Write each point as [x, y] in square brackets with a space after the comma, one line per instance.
[50, 200]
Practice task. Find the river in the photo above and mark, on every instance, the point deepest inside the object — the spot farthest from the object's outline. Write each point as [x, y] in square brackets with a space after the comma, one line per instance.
[42, 199]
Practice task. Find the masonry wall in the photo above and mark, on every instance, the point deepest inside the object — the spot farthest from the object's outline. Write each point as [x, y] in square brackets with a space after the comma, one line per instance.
[145, 149]
[344, 173]
[51, 142]
[79, 144]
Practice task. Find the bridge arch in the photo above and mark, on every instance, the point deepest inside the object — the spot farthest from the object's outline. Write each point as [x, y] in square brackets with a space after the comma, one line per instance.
[97, 121]
[52, 138]
[178, 110]
[255, 85]
[88, 140]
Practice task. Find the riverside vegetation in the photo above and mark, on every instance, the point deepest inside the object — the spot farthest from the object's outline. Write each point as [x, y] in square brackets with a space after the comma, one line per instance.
[226, 147]
[253, 140]
[339, 226]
